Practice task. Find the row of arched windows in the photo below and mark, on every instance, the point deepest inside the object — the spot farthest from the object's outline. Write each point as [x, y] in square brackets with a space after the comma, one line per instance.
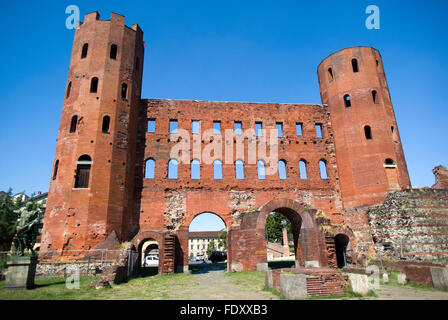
[355, 68]
[112, 53]
[94, 88]
[348, 102]
[104, 128]
[195, 169]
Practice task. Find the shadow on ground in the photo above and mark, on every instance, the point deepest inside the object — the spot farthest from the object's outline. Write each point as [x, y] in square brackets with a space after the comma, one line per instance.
[207, 267]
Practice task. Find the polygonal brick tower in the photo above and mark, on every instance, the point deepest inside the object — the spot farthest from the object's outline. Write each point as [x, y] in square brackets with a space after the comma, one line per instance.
[368, 148]
[91, 191]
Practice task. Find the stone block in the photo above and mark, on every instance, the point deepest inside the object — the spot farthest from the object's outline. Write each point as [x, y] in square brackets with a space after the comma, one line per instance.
[439, 278]
[21, 273]
[385, 278]
[262, 266]
[293, 286]
[312, 264]
[359, 282]
[401, 278]
[268, 280]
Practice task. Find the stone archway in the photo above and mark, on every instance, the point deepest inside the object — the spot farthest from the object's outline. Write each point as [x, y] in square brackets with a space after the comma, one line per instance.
[139, 240]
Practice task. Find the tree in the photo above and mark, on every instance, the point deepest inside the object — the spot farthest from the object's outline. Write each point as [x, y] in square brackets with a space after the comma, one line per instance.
[8, 220]
[211, 246]
[274, 227]
[222, 242]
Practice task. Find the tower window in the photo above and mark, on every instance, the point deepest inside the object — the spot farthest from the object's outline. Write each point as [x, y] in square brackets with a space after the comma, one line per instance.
[318, 130]
[73, 124]
[195, 169]
[216, 127]
[85, 48]
[355, 65]
[330, 73]
[172, 169]
[124, 91]
[151, 125]
[195, 127]
[113, 51]
[299, 129]
[150, 169]
[302, 169]
[389, 163]
[374, 97]
[323, 169]
[83, 171]
[238, 128]
[173, 126]
[347, 101]
[217, 169]
[282, 169]
[239, 169]
[258, 129]
[55, 170]
[368, 132]
[106, 124]
[69, 88]
[279, 127]
[94, 85]
[261, 170]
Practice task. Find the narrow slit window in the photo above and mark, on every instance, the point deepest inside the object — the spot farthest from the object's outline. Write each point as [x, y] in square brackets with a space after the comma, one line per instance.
[85, 48]
[374, 97]
[323, 169]
[238, 128]
[195, 169]
[106, 124]
[55, 170]
[302, 169]
[239, 169]
[347, 101]
[217, 169]
[124, 91]
[73, 124]
[173, 126]
[94, 85]
[137, 63]
[279, 127]
[172, 169]
[113, 51]
[261, 170]
[150, 166]
[151, 126]
[282, 170]
[258, 129]
[83, 171]
[355, 65]
[330, 73]
[368, 132]
[69, 88]
[319, 130]
[299, 129]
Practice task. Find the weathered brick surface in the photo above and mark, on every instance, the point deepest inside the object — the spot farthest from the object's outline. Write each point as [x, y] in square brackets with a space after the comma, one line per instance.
[441, 174]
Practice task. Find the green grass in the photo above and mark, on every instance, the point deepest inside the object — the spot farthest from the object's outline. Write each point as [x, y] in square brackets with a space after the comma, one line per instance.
[154, 287]
[254, 280]
[393, 281]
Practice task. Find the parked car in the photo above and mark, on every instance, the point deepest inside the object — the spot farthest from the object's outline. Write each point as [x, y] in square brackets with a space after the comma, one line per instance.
[151, 260]
[217, 256]
[200, 257]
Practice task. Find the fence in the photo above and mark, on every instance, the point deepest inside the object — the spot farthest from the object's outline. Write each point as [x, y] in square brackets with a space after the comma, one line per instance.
[63, 263]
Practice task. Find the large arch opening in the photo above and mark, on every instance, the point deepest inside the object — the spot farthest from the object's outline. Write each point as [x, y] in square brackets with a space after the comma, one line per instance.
[207, 243]
[341, 242]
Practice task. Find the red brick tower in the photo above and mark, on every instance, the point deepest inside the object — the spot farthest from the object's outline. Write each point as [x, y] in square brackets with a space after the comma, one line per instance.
[92, 184]
[368, 148]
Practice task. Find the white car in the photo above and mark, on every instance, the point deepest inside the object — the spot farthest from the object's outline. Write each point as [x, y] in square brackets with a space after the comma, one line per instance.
[199, 257]
[151, 261]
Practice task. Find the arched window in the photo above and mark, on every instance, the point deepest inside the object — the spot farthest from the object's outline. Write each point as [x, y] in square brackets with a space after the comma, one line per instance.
[195, 169]
[389, 163]
[368, 132]
[261, 170]
[282, 169]
[85, 48]
[83, 171]
[323, 169]
[106, 124]
[172, 169]
[94, 85]
[73, 124]
[124, 91]
[330, 73]
[55, 170]
[302, 169]
[113, 51]
[217, 169]
[69, 88]
[374, 97]
[239, 169]
[150, 166]
[347, 101]
[355, 65]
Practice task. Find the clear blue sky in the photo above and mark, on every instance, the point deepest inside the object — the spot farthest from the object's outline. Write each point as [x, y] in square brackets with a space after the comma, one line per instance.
[258, 51]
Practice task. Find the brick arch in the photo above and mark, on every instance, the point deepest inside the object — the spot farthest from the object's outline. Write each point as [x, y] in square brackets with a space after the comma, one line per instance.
[351, 238]
[138, 240]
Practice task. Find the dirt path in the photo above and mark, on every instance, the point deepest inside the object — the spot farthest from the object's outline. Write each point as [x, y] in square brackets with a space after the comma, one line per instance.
[400, 293]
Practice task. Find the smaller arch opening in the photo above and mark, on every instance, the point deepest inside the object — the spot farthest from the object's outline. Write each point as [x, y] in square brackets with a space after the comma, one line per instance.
[113, 51]
[94, 85]
[55, 170]
[195, 169]
[389, 163]
[282, 169]
[83, 171]
[73, 124]
[347, 101]
[124, 91]
[106, 124]
[261, 172]
[84, 50]
[368, 132]
[341, 242]
[172, 169]
[150, 165]
[217, 169]
[239, 169]
[330, 74]
[355, 65]
[323, 169]
[69, 88]
[302, 169]
[375, 97]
